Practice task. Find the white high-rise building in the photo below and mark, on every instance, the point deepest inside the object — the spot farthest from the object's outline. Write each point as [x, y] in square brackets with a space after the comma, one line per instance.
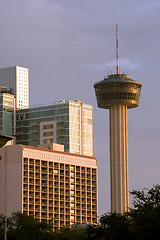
[16, 78]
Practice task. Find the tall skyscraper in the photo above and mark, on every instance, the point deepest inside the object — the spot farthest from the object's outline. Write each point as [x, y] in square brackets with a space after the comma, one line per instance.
[65, 122]
[118, 92]
[17, 79]
[58, 187]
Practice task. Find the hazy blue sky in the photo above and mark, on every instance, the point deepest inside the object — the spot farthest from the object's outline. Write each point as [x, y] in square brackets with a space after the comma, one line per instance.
[68, 45]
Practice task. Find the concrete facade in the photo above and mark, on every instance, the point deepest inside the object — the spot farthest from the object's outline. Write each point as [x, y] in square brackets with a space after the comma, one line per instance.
[55, 186]
[118, 92]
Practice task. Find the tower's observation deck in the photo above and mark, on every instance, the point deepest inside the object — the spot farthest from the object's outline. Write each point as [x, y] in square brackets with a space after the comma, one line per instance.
[117, 89]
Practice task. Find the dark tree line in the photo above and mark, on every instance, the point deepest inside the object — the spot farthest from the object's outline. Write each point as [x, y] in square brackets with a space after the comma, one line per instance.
[142, 221]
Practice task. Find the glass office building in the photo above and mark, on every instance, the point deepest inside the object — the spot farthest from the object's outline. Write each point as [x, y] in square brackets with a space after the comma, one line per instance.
[6, 112]
[65, 122]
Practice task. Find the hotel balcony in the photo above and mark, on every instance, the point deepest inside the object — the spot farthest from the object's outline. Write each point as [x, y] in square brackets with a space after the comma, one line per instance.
[94, 207]
[43, 170]
[94, 201]
[44, 176]
[25, 187]
[31, 168]
[31, 208]
[62, 178]
[67, 186]
[56, 216]
[51, 177]
[31, 161]
[88, 176]
[25, 173]
[25, 200]
[50, 196]
[37, 201]
[31, 174]
[44, 195]
[25, 160]
[25, 167]
[83, 175]
[25, 193]
[94, 184]
[44, 163]
[56, 178]
[25, 180]
[25, 207]
[37, 175]
[37, 162]
[50, 202]
[44, 182]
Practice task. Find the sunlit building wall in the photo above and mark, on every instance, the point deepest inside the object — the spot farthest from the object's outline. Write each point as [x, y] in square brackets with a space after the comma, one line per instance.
[65, 122]
[7, 102]
[16, 78]
[58, 187]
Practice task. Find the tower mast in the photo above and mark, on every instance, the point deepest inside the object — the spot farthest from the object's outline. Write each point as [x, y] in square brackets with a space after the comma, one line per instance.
[117, 48]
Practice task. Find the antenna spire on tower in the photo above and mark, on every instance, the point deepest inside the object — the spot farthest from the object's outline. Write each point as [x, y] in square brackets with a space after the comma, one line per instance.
[117, 48]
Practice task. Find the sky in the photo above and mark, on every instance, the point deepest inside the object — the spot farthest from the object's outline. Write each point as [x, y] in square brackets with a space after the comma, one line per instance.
[68, 45]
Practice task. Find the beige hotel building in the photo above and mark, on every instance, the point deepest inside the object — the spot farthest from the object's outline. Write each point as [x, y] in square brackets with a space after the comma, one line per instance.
[50, 184]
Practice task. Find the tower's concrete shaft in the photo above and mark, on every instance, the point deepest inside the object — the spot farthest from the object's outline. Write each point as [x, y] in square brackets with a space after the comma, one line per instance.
[119, 158]
[117, 93]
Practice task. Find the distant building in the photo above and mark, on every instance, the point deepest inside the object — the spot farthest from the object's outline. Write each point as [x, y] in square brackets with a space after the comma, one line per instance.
[17, 79]
[49, 184]
[7, 104]
[65, 122]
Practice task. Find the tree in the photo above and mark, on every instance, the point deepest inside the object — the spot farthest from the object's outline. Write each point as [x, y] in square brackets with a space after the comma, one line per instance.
[76, 233]
[146, 199]
[22, 226]
[113, 226]
[142, 221]
[2, 224]
[145, 214]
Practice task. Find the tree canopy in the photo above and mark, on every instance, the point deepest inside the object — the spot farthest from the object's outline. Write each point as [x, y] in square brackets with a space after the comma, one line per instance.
[142, 221]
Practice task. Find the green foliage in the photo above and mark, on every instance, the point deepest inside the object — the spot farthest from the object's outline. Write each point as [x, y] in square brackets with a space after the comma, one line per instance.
[141, 222]
[21, 226]
[146, 199]
[145, 214]
[112, 226]
[70, 234]
[116, 226]
[2, 223]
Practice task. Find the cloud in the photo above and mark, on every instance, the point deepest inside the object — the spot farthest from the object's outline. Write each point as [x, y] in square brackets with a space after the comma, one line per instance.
[111, 65]
[149, 6]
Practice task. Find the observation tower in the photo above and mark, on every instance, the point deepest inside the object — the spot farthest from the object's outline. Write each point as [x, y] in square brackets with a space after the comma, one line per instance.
[118, 92]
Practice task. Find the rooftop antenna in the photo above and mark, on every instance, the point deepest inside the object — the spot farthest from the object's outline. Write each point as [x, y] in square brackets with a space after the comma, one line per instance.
[117, 48]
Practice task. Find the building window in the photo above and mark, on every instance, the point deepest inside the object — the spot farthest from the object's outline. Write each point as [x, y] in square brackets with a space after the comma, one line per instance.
[50, 140]
[48, 126]
[48, 134]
